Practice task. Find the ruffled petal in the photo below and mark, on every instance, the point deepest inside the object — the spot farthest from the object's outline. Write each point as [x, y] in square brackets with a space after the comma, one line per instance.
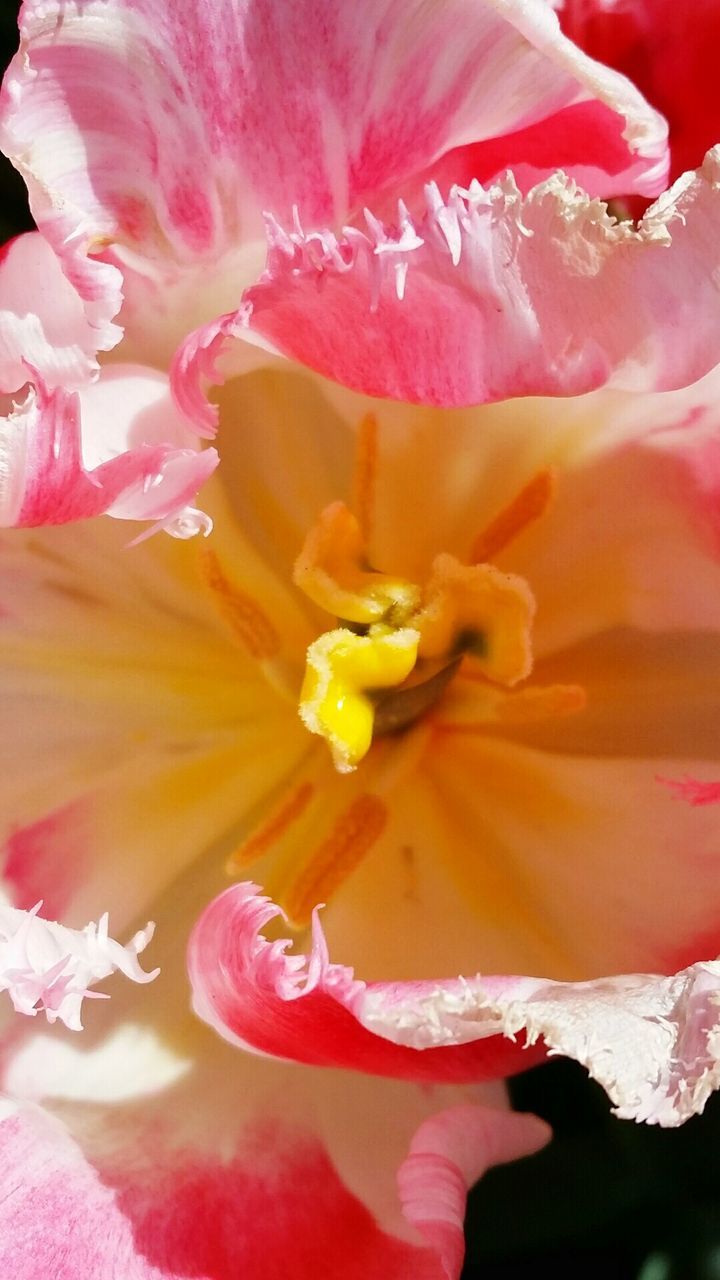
[653, 1042]
[47, 968]
[491, 295]
[260, 997]
[233, 85]
[43, 327]
[152, 1117]
[67, 456]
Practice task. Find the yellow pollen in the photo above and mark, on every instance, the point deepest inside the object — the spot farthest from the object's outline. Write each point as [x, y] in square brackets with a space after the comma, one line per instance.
[341, 672]
[271, 831]
[240, 610]
[353, 834]
[330, 570]
[528, 505]
[366, 459]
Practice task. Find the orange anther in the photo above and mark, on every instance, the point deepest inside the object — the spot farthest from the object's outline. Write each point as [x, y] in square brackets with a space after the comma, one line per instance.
[529, 504]
[270, 832]
[353, 835]
[476, 703]
[243, 613]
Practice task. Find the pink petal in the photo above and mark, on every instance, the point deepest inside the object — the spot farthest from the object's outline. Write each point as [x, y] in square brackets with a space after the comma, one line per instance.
[490, 295]
[199, 1215]
[306, 1008]
[142, 1208]
[174, 1156]
[46, 967]
[42, 322]
[672, 60]
[449, 1153]
[386, 92]
[48, 859]
[51, 438]
[653, 1042]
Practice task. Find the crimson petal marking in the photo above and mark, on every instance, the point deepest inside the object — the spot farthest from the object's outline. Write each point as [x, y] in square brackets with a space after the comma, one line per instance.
[693, 790]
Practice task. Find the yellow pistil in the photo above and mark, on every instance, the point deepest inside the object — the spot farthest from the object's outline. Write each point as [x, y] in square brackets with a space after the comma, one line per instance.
[342, 668]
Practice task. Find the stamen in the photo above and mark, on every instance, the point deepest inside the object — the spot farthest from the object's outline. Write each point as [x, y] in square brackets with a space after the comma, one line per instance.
[330, 864]
[478, 610]
[474, 703]
[243, 613]
[366, 459]
[341, 670]
[330, 570]
[271, 831]
[538, 702]
[529, 504]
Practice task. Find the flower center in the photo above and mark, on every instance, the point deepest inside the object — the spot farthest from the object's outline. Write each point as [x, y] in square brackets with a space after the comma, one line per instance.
[400, 643]
[389, 659]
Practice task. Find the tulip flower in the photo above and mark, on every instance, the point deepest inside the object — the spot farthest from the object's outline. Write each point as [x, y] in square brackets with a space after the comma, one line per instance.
[394, 732]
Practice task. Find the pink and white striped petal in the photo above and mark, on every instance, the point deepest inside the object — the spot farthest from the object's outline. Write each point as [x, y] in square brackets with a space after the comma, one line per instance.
[47, 968]
[151, 1115]
[42, 322]
[491, 295]
[117, 448]
[306, 1008]
[653, 1042]
[383, 95]
[132, 1190]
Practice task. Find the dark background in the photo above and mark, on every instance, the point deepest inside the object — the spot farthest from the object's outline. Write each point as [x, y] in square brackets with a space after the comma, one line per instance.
[608, 1200]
